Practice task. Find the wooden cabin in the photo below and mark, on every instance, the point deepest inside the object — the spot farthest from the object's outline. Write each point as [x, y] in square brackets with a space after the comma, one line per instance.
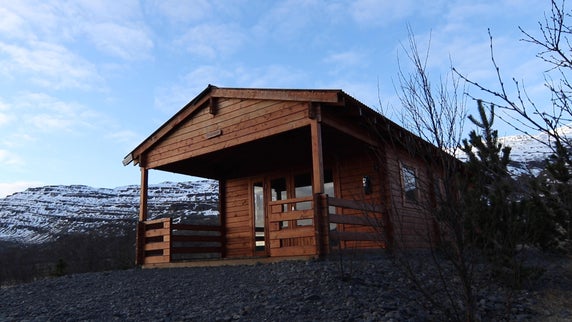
[300, 172]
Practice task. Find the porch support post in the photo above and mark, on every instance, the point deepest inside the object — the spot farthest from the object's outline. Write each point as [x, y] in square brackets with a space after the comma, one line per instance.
[320, 216]
[143, 194]
[140, 233]
[317, 159]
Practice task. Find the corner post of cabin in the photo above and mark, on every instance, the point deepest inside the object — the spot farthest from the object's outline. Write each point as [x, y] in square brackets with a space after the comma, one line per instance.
[222, 215]
[317, 174]
[140, 233]
[143, 194]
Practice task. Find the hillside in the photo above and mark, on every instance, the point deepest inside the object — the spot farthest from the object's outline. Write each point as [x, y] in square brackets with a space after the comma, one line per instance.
[43, 214]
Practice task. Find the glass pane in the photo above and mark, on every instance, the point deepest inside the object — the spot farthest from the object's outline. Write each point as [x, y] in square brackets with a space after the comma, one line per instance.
[259, 215]
[303, 188]
[409, 183]
[279, 192]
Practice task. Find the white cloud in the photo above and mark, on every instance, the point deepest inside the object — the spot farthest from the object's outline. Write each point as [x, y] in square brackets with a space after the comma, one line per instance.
[385, 12]
[125, 42]
[277, 76]
[124, 136]
[171, 98]
[115, 28]
[17, 139]
[181, 12]
[8, 188]
[344, 61]
[39, 112]
[10, 23]
[286, 21]
[8, 158]
[212, 41]
[49, 65]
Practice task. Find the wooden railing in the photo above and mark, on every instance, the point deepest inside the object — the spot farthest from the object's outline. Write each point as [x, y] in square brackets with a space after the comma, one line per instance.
[368, 216]
[165, 242]
[292, 231]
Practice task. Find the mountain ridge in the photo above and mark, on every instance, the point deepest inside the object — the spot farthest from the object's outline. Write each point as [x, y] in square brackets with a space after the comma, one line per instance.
[41, 214]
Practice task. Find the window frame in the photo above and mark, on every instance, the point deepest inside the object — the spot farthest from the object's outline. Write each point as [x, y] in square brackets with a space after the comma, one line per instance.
[410, 196]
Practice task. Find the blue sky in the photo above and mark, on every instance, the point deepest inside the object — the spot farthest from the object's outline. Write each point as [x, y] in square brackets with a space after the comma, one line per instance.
[83, 82]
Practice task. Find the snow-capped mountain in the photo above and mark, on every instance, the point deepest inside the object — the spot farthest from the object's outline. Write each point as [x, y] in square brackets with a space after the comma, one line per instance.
[42, 214]
[528, 152]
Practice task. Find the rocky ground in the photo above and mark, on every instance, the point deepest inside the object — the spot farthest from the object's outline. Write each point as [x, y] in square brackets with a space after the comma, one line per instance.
[353, 289]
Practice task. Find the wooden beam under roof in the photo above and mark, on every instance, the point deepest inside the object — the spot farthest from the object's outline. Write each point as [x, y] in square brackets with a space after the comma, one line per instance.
[302, 95]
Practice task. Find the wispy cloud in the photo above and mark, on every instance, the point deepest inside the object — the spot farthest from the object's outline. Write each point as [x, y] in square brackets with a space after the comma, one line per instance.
[9, 158]
[172, 97]
[124, 136]
[8, 188]
[380, 13]
[126, 42]
[32, 113]
[212, 40]
[181, 12]
[49, 65]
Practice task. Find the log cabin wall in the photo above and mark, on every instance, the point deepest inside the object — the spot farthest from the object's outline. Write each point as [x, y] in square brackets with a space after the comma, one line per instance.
[352, 169]
[238, 221]
[411, 219]
[228, 122]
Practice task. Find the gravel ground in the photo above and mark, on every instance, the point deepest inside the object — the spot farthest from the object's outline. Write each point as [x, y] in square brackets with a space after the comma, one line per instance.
[371, 289]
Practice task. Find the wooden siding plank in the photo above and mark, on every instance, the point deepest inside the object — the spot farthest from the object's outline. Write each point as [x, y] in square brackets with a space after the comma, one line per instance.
[196, 238]
[157, 232]
[291, 215]
[293, 251]
[351, 219]
[272, 122]
[354, 236]
[239, 111]
[353, 204]
[157, 246]
[195, 129]
[157, 259]
[293, 233]
[196, 250]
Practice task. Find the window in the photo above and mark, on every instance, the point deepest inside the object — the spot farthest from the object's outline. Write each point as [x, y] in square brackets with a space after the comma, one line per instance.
[409, 181]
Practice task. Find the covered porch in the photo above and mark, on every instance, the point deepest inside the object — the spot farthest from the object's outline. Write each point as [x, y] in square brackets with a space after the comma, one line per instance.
[165, 243]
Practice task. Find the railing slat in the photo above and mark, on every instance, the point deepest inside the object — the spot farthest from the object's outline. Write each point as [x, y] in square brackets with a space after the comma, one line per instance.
[293, 200]
[306, 231]
[354, 236]
[156, 246]
[195, 238]
[196, 227]
[353, 204]
[352, 220]
[291, 215]
[157, 232]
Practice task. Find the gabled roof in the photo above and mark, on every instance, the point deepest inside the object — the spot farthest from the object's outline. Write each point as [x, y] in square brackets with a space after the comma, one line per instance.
[350, 109]
[330, 96]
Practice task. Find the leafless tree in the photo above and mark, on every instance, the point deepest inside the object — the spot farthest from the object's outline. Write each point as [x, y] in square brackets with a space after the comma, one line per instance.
[552, 119]
[435, 112]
